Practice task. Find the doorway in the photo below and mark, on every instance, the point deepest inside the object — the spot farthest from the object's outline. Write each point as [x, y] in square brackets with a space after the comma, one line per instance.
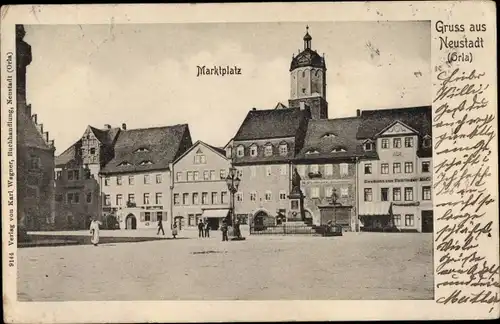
[131, 222]
[427, 221]
[213, 223]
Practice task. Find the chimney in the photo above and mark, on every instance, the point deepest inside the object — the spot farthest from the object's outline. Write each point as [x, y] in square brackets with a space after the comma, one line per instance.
[302, 105]
[124, 126]
[107, 126]
[28, 110]
[358, 112]
[46, 137]
[34, 118]
[254, 109]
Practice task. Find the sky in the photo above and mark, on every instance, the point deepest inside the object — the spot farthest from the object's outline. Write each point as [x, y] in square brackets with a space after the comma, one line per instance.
[145, 75]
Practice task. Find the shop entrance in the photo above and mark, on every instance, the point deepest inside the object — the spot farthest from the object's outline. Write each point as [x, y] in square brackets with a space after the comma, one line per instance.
[427, 221]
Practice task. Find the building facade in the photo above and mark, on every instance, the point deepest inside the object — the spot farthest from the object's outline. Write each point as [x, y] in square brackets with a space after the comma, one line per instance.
[395, 176]
[199, 186]
[136, 184]
[35, 154]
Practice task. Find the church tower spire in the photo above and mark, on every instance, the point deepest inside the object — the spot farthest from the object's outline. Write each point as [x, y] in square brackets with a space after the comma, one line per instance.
[308, 80]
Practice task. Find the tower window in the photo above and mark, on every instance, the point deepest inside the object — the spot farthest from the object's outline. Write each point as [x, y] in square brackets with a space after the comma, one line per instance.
[303, 90]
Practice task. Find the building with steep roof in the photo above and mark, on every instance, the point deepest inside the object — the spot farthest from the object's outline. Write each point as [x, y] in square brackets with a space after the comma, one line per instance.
[35, 154]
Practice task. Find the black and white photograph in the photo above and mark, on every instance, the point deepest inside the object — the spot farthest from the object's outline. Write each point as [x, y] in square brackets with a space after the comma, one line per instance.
[225, 161]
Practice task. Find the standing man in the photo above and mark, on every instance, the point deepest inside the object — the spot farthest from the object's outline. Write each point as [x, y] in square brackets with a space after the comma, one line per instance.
[224, 231]
[201, 232]
[207, 229]
[160, 227]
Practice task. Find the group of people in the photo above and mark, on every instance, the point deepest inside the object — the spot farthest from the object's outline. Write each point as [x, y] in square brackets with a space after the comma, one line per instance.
[203, 229]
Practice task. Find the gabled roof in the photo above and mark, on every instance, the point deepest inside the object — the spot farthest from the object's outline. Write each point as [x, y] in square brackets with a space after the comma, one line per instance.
[106, 136]
[70, 154]
[272, 123]
[218, 150]
[342, 137]
[375, 121]
[163, 145]
[27, 133]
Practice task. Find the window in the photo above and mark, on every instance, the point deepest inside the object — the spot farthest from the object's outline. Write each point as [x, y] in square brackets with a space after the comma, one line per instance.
[191, 220]
[339, 149]
[409, 220]
[146, 199]
[314, 168]
[368, 146]
[253, 196]
[426, 166]
[107, 180]
[426, 142]
[35, 163]
[328, 169]
[268, 196]
[223, 174]
[303, 89]
[131, 198]
[118, 180]
[107, 200]
[240, 151]
[58, 175]
[268, 170]
[396, 194]
[268, 151]
[408, 141]
[200, 159]
[384, 194]
[176, 199]
[141, 149]
[119, 200]
[312, 151]
[253, 150]
[368, 194]
[190, 176]
[408, 167]
[185, 199]
[206, 175]
[147, 162]
[158, 178]
[368, 168]
[76, 197]
[396, 167]
[283, 169]
[204, 198]
[283, 149]
[196, 176]
[314, 192]
[344, 192]
[124, 163]
[146, 179]
[158, 198]
[396, 220]
[239, 196]
[426, 193]
[229, 152]
[396, 142]
[223, 197]
[215, 199]
[282, 195]
[384, 168]
[147, 216]
[408, 194]
[92, 150]
[344, 169]
[212, 174]
[328, 192]
[74, 175]
[385, 143]
[130, 180]
[178, 176]
[195, 198]
[89, 197]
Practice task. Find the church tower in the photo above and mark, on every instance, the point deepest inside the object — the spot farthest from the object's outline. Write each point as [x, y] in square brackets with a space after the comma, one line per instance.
[308, 80]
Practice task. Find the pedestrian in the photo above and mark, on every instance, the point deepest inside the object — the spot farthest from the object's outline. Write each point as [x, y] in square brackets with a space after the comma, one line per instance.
[160, 227]
[237, 232]
[94, 231]
[201, 232]
[207, 229]
[174, 230]
[224, 231]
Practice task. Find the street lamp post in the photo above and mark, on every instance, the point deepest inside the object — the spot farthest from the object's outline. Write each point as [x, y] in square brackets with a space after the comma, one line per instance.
[233, 182]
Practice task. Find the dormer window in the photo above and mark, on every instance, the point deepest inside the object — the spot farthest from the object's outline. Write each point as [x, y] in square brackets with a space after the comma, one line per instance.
[368, 146]
[339, 149]
[312, 151]
[146, 162]
[329, 135]
[253, 150]
[283, 149]
[268, 151]
[141, 149]
[240, 151]
[125, 163]
[426, 142]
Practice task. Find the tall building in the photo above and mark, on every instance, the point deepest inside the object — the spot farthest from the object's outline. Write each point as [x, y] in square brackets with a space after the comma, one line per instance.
[136, 184]
[395, 174]
[308, 80]
[35, 154]
[77, 176]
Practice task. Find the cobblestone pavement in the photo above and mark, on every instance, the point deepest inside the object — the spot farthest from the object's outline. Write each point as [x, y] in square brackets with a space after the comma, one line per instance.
[354, 266]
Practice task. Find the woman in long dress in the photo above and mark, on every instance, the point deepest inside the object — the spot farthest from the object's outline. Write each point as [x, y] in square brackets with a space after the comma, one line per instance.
[94, 231]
